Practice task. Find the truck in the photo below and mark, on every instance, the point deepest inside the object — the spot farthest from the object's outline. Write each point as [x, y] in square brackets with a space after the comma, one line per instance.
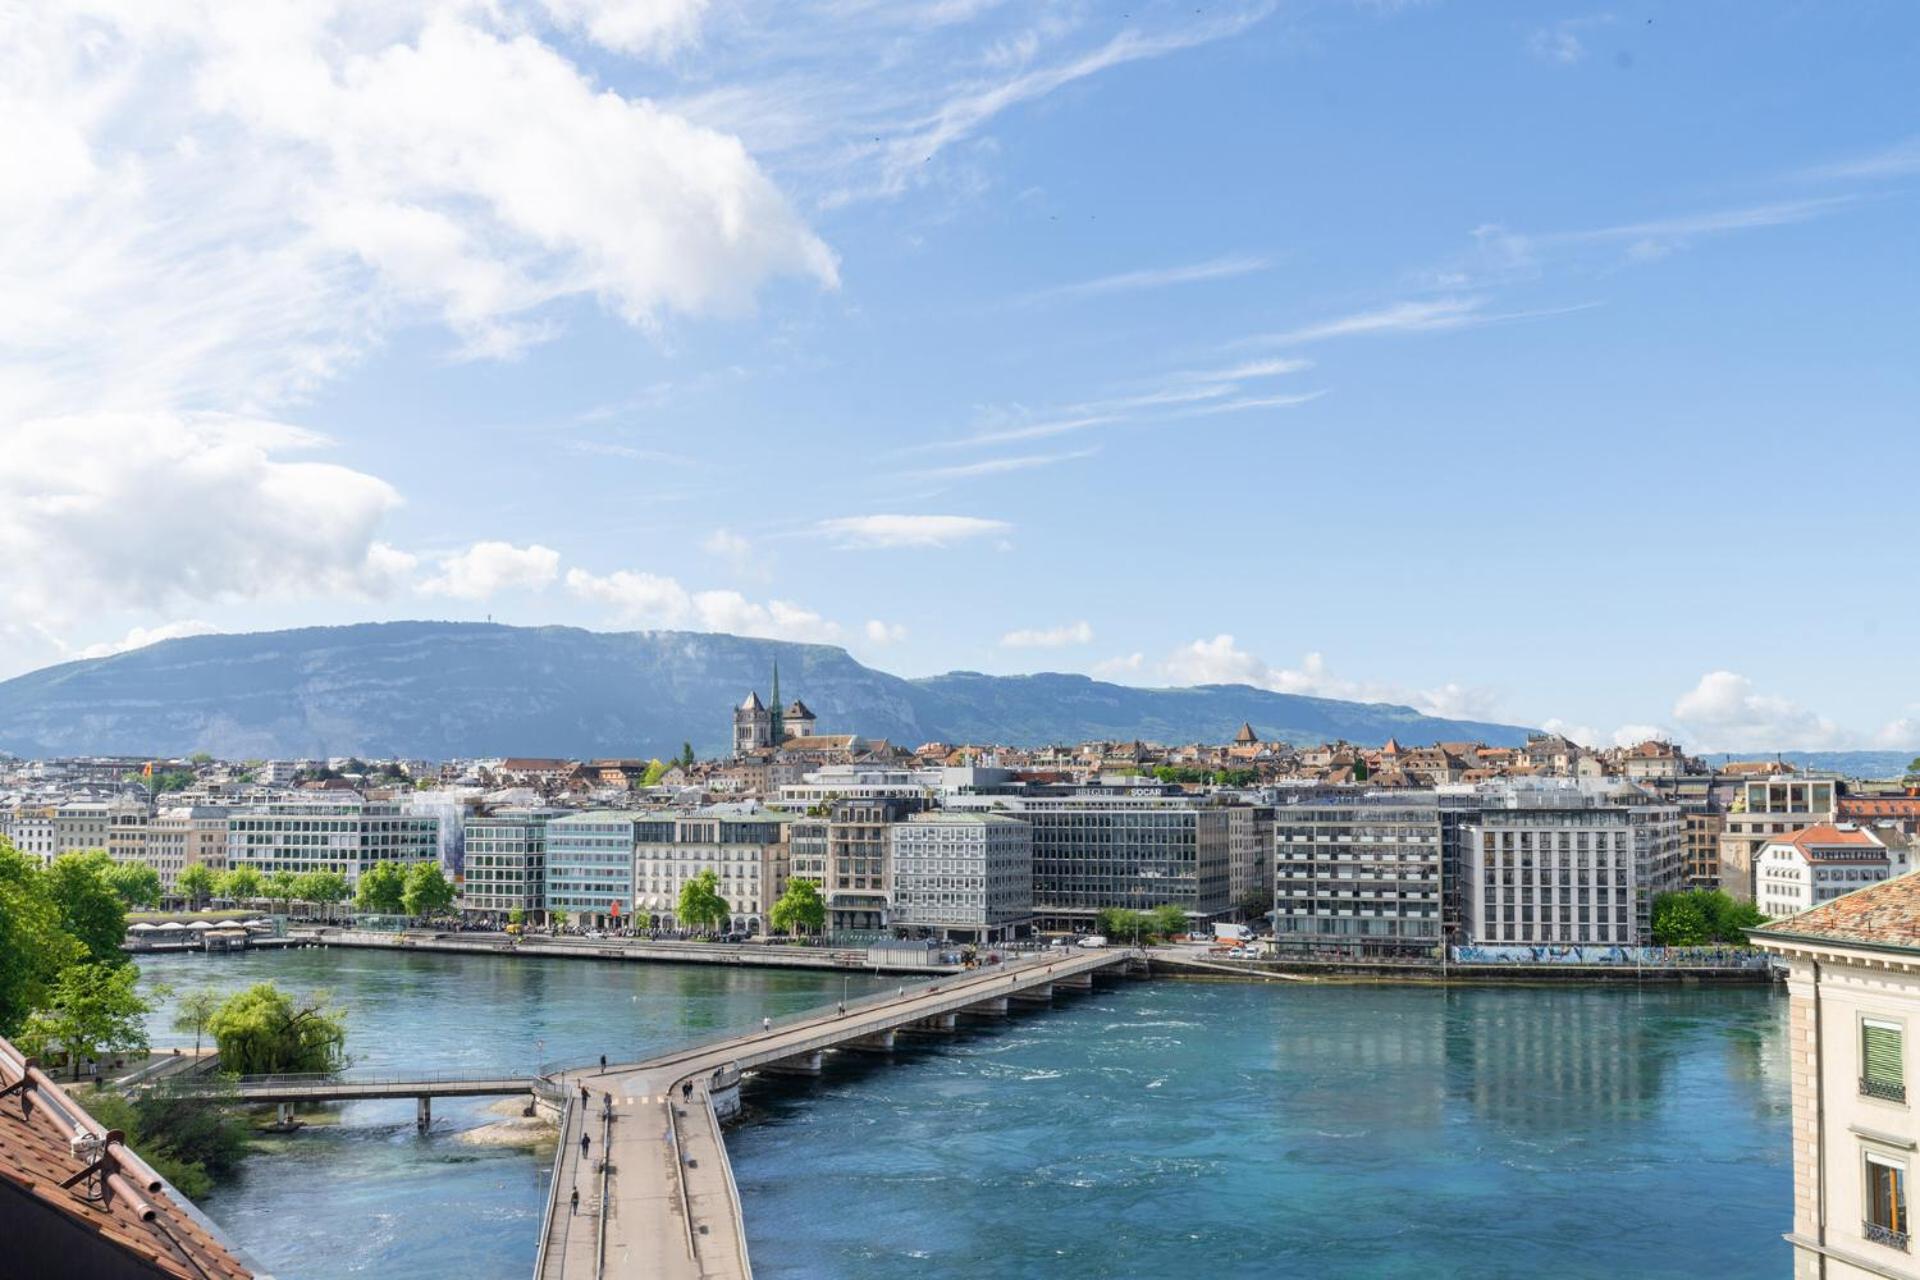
[1231, 933]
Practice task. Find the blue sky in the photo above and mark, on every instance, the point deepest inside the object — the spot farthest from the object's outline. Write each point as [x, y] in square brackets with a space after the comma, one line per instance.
[1536, 363]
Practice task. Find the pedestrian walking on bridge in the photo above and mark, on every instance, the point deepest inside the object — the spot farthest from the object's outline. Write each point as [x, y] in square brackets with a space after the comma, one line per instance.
[576, 1200]
[586, 1140]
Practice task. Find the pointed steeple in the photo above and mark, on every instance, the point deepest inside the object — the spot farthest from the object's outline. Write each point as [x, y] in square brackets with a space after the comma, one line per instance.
[779, 716]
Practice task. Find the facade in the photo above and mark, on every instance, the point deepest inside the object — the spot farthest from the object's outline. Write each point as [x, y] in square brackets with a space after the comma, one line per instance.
[744, 846]
[964, 877]
[590, 868]
[859, 882]
[1363, 875]
[1853, 991]
[1250, 858]
[181, 838]
[1568, 866]
[1764, 808]
[506, 863]
[340, 832]
[1800, 872]
[752, 726]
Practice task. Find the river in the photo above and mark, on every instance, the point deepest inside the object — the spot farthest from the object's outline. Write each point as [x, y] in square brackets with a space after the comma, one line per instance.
[1151, 1128]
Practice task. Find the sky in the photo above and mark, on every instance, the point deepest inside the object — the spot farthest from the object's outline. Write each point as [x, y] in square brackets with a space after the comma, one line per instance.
[1550, 365]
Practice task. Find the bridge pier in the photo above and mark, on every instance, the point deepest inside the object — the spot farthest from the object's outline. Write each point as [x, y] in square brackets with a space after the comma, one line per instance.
[283, 1115]
[1077, 981]
[993, 1008]
[935, 1025]
[878, 1042]
[801, 1064]
[423, 1112]
[1042, 994]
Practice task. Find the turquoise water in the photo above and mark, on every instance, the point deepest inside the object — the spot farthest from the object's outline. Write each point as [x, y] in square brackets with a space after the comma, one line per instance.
[1148, 1129]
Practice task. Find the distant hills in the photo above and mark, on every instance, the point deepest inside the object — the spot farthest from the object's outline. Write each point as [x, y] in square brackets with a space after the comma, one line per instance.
[438, 690]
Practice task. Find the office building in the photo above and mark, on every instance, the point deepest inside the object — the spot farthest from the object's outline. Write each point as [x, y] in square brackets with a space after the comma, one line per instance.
[962, 876]
[590, 868]
[335, 831]
[506, 863]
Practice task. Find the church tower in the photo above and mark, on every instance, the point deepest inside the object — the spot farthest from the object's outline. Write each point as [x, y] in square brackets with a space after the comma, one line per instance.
[778, 726]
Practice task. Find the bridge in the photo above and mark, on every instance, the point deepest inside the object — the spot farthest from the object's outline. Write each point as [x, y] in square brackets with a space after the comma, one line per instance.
[656, 1196]
[286, 1090]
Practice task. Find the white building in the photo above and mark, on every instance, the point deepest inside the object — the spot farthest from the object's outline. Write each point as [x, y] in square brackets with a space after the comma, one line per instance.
[1765, 808]
[1853, 991]
[859, 782]
[1799, 872]
[962, 876]
[180, 838]
[743, 845]
[340, 832]
[1573, 864]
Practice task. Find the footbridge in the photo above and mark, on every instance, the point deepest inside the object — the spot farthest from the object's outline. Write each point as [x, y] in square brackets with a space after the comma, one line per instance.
[288, 1090]
[640, 1143]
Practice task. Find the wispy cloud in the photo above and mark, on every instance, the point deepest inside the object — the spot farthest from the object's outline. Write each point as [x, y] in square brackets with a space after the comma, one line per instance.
[1252, 369]
[1245, 403]
[1420, 316]
[1562, 43]
[1712, 222]
[1000, 466]
[1896, 161]
[1150, 278]
[893, 531]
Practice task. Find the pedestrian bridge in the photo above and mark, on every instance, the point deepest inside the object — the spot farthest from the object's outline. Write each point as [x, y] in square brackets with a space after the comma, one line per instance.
[286, 1090]
[640, 1142]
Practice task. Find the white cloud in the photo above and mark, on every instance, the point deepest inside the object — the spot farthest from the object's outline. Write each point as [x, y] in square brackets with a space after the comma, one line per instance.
[1152, 278]
[648, 600]
[1400, 317]
[1001, 466]
[727, 544]
[1059, 637]
[1632, 735]
[141, 637]
[651, 27]
[487, 568]
[884, 633]
[146, 511]
[1222, 661]
[908, 530]
[1895, 161]
[1561, 43]
[225, 201]
[1723, 713]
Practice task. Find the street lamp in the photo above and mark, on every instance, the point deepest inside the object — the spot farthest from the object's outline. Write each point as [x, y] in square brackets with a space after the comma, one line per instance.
[540, 1053]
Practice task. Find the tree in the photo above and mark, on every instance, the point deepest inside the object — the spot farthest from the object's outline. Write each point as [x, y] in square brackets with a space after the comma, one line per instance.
[655, 772]
[1169, 920]
[263, 1030]
[1680, 920]
[201, 757]
[1121, 924]
[382, 889]
[241, 884]
[137, 883]
[687, 758]
[800, 908]
[280, 887]
[90, 910]
[322, 888]
[34, 945]
[428, 892]
[701, 905]
[559, 919]
[94, 1009]
[196, 884]
[517, 917]
[193, 1012]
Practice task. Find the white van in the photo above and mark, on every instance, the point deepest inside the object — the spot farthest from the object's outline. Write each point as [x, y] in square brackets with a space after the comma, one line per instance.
[1092, 941]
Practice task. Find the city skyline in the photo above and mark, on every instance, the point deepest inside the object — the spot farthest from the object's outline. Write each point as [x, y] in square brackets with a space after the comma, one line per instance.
[1458, 358]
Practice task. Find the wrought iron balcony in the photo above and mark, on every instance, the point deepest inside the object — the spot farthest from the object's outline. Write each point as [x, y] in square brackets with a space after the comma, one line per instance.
[1884, 1091]
[1884, 1235]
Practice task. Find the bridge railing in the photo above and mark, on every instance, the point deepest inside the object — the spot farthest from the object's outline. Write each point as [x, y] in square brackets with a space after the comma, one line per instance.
[294, 1080]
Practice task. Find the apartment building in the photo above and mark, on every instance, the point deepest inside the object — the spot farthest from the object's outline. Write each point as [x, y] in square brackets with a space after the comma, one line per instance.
[1765, 808]
[181, 838]
[338, 831]
[590, 867]
[1799, 872]
[506, 862]
[1365, 874]
[1853, 989]
[1250, 858]
[960, 876]
[859, 882]
[745, 846]
[1568, 865]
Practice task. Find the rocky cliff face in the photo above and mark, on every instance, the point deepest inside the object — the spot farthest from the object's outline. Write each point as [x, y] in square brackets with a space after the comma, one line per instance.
[436, 690]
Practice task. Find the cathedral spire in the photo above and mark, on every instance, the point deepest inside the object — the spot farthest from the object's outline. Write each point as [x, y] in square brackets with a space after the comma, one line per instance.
[778, 709]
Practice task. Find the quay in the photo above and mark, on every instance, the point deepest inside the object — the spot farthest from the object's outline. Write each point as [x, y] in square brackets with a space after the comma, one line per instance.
[657, 1196]
[755, 955]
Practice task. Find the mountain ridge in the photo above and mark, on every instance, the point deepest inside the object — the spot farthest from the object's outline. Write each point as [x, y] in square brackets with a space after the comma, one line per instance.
[437, 690]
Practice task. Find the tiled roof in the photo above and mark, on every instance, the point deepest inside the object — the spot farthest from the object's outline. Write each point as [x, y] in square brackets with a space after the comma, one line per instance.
[1882, 915]
[1825, 834]
[158, 1232]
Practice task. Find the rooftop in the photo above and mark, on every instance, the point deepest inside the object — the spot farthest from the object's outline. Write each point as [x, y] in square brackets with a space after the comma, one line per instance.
[1885, 915]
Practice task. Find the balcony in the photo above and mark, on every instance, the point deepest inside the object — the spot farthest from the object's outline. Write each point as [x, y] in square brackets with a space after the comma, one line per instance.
[1887, 1236]
[1885, 1092]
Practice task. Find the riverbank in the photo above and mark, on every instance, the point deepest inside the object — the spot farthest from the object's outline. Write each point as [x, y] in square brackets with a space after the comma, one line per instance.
[1178, 963]
[734, 955]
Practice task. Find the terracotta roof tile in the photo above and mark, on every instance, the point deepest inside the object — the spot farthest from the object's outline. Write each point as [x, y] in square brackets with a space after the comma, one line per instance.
[1882, 915]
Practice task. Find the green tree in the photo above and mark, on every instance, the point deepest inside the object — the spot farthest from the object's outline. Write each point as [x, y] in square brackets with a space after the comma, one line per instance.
[322, 888]
[263, 1030]
[517, 917]
[196, 884]
[189, 1140]
[241, 884]
[428, 892]
[34, 944]
[201, 757]
[687, 758]
[655, 772]
[1120, 924]
[382, 889]
[90, 910]
[137, 883]
[193, 1012]
[1169, 920]
[800, 908]
[559, 919]
[701, 906]
[281, 886]
[1681, 920]
[93, 1010]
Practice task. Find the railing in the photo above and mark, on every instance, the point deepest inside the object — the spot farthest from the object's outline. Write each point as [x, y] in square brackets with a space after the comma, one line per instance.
[553, 1188]
[1887, 1091]
[326, 1079]
[1884, 1235]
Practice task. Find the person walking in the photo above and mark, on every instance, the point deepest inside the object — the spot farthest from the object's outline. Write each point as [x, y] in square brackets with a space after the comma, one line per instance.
[586, 1140]
[766, 1024]
[603, 1062]
[686, 1090]
[576, 1200]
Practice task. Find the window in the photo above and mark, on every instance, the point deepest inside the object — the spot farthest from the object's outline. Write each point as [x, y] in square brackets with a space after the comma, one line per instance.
[1886, 1202]
[1881, 1075]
